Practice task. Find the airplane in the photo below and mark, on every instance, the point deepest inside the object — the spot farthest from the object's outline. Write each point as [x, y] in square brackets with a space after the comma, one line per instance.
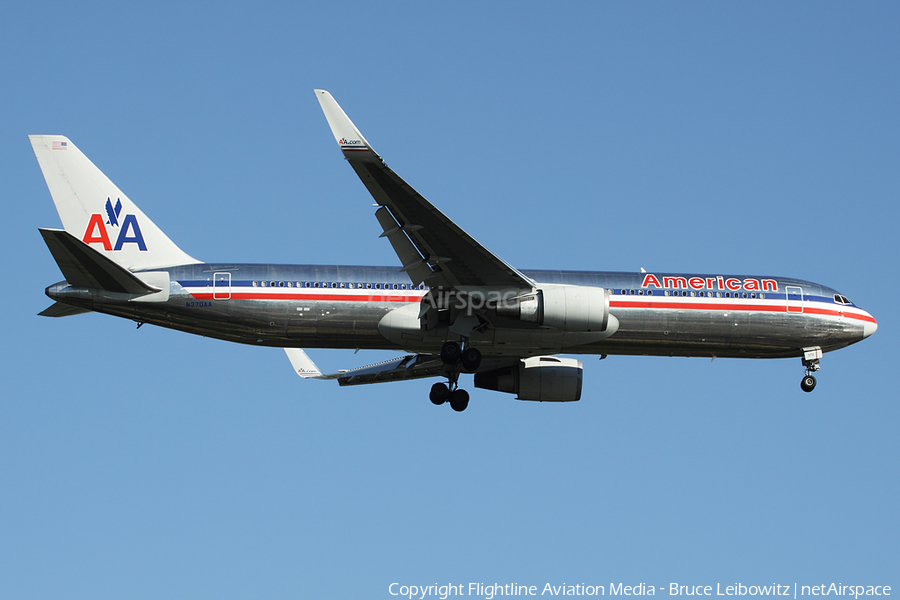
[452, 305]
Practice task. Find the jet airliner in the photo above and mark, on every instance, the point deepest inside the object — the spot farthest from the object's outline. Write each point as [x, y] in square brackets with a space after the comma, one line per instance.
[451, 305]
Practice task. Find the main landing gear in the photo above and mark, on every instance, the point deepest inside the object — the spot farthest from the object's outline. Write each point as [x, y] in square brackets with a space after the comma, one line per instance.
[469, 358]
[440, 393]
[811, 358]
[461, 359]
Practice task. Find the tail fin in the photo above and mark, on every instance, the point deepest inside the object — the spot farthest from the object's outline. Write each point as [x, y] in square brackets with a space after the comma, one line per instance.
[95, 211]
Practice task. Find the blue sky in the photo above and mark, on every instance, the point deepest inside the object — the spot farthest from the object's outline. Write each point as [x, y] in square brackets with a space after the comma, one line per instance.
[703, 137]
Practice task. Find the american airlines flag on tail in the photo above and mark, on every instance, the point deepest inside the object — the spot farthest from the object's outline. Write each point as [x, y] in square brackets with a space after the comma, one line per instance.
[59, 145]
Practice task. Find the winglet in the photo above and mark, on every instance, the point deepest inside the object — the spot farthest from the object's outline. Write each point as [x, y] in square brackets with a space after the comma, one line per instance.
[303, 365]
[348, 137]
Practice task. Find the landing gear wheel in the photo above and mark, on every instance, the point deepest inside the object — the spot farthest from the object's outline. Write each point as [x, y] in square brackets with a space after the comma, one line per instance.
[471, 359]
[439, 393]
[450, 353]
[808, 383]
[459, 400]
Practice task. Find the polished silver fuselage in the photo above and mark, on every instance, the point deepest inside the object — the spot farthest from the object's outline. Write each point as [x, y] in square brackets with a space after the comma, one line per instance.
[345, 307]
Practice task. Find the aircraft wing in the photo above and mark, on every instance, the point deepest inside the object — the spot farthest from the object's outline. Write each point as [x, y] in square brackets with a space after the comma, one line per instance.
[411, 366]
[432, 248]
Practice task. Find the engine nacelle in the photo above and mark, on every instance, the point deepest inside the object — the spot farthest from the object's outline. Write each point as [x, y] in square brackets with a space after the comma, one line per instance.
[541, 378]
[566, 307]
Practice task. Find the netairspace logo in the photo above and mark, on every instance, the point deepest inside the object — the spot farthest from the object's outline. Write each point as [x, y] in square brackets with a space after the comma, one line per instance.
[490, 591]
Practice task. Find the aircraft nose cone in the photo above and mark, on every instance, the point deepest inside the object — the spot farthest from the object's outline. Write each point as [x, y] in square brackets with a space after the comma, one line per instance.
[869, 326]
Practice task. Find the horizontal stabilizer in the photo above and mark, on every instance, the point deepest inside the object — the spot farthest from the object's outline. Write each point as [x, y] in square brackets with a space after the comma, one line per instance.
[82, 266]
[59, 309]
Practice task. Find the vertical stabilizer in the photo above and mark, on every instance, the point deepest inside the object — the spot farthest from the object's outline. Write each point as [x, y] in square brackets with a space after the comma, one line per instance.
[95, 211]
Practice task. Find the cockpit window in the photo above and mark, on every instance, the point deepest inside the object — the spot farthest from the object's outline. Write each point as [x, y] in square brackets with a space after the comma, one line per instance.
[842, 299]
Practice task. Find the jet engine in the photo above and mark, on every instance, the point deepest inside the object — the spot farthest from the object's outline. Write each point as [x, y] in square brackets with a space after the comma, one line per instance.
[566, 307]
[541, 378]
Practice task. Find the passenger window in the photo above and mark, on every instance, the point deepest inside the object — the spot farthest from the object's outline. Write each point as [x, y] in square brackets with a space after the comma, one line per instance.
[342, 286]
[254, 284]
[368, 286]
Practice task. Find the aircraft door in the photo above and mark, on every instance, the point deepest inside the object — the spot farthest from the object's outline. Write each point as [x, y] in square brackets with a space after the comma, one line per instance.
[222, 286]
[794, 298]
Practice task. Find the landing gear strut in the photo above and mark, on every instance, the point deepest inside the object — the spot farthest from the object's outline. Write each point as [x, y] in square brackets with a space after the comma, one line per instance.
[811, 358]
[460, 358]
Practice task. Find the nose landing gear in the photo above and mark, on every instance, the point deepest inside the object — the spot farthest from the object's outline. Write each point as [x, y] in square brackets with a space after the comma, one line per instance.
[811, 358]
[808, 383]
